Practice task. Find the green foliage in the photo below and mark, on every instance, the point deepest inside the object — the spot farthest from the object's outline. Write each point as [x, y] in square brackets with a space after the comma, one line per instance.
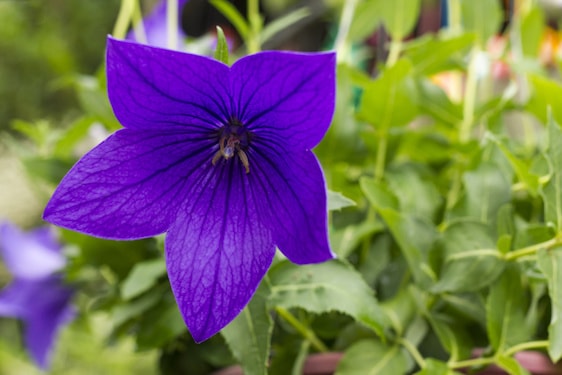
[445, 196]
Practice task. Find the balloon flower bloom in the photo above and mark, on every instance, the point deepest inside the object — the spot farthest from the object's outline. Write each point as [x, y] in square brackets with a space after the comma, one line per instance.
[37, 294]
[217, 157]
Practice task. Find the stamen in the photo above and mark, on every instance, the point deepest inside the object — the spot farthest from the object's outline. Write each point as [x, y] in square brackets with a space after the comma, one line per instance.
[244, 159]
[233, 139]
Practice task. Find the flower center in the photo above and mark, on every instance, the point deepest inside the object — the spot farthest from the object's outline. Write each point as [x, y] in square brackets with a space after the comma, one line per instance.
[234, 140]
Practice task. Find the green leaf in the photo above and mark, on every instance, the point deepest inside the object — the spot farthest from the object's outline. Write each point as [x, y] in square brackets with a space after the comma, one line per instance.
[511, 366]
[249, 335]
[400, 309]
[389, 101]
[552, 190]
[233, 15]
[337, 201]
[71, 136]
[433, 101]
[550, 263]
[431, 55]
[221, 52]
[471, 260]
[373, 358]
[399, 16]
[122, 313]
[547, 93]
[160, 325]
[506, 308]
[482, 17]
[366, 20]
[452, 336]
[325, 287]
[521, 168]
[142, 277]
[378, 195]
[345, 240]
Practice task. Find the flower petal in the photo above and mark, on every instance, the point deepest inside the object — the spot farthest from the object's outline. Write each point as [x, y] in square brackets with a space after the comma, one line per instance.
[288, 97]
[14, 298]
[49, 311]
[150, 88]
[131, 185]
[29, 256]
[292, 196]
[218, 250]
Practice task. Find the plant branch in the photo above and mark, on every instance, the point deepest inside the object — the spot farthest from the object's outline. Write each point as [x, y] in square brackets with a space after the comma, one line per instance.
[413, 351]
[531, 250]
[305, 332]
[526, 346]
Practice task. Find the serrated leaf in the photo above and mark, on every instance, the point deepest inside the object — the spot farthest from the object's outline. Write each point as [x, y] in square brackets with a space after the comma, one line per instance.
[399, 16]
[471, 260]
[550, 263]
[506, 308]
[337, 201]
[325, 287]
[221, 52]
[142, 277]
[373, 358]
[249, 335]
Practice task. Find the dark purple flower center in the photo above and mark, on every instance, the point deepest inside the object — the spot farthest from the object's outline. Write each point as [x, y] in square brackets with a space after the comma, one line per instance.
[234, 140]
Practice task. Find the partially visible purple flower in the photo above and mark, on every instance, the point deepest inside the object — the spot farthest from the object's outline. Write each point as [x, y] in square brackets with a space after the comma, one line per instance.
[37, 295]
[217, 157]
[156, 28]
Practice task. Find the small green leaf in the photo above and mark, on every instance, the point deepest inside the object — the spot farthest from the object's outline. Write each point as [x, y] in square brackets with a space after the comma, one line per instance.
[142, 277]
[337, 201]
[550, 263]
[471, 260]
[366, 20]
[249, 335]
[433, 101]
[400, 309]
[547, 93]
[399, 16]
[325, 287]
[373, 358]
[345, 240]
[64, 146]
[221, 52]
[233, 15]
[506, 308]
[453, 337]
[160, 325]
[531, 32]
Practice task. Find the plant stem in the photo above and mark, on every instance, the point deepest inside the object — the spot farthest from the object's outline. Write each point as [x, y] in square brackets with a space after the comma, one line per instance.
[255, 21]
[302, 329]
[469, 98]
[172, 17]
[526, 346]
[138, 25]
[123, 19]
[413, 352]
[531, 250]
[471, 362]
[340, 45]
[394, 52]
[381, 155]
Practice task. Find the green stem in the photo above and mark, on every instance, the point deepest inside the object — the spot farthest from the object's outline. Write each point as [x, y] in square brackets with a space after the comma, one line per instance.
[471, 362]
[123, 19]
[413, 352]
[394, 52]
[302, 329]
[531, 250]
[527, 346]
[454, 14]
[469, 98]
[340, 45]
[172, 17]
[255, 21]
[138, 28]
[381, 156]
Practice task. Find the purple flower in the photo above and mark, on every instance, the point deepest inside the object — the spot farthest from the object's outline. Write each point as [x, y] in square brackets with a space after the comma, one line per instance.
[156, 28]
[217, 157]
[37, 295]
